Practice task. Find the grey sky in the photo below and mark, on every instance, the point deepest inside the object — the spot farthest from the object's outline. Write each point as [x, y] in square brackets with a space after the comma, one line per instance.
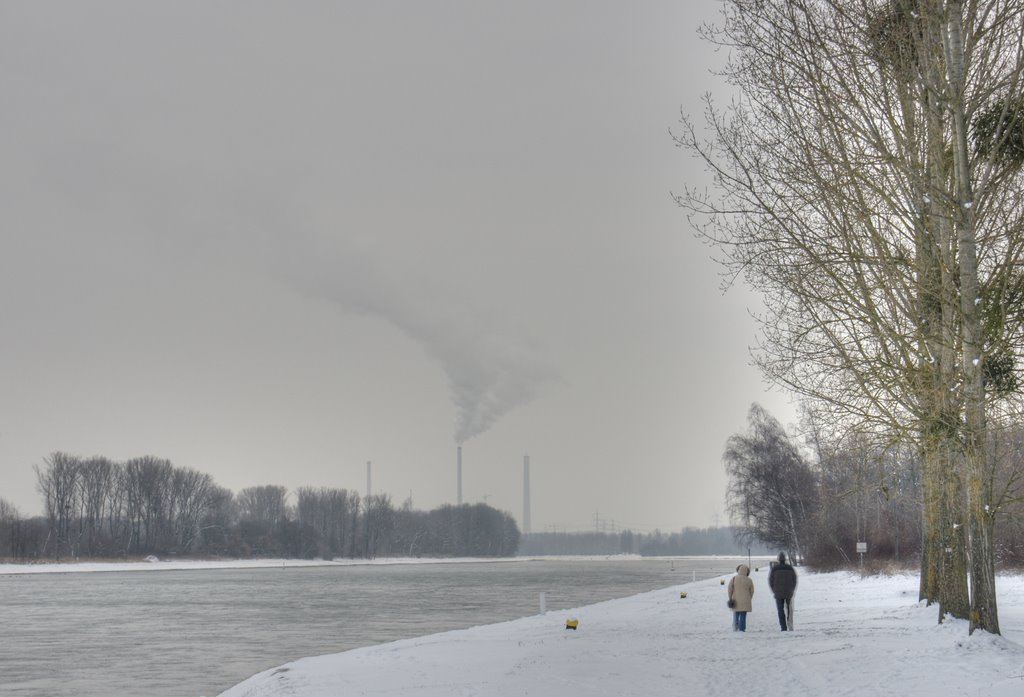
[274, 240]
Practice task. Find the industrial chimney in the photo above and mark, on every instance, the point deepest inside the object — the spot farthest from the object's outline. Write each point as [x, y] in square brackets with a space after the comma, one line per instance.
[459, 475]
[526, 494]
[368, 479]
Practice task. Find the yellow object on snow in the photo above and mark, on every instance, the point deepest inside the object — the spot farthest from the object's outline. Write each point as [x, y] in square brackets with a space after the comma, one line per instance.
[572, 623]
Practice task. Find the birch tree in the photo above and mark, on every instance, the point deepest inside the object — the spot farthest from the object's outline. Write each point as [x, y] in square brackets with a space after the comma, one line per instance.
[772, 491]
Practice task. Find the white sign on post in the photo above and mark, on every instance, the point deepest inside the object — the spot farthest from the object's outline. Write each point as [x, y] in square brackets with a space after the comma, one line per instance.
[862, 547]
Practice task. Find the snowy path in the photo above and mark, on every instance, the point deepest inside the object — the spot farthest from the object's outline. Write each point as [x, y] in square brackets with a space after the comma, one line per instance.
[854, 637]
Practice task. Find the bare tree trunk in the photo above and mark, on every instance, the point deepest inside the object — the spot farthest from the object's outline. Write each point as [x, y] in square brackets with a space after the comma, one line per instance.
[984, 614]
[930, 547]
[953, 593]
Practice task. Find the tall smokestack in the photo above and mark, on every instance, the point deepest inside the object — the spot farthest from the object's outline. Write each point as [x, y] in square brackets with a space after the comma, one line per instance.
[368, 489]
[526, 494]
[459, 475]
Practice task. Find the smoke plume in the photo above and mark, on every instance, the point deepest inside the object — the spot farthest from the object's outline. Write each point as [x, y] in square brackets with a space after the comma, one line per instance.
[491, 364]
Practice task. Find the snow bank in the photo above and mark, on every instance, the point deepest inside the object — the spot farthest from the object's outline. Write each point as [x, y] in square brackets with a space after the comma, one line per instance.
[853, 636]
[156, 564]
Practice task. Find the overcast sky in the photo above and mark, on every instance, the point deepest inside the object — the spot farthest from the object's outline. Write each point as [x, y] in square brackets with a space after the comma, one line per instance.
[273, 241]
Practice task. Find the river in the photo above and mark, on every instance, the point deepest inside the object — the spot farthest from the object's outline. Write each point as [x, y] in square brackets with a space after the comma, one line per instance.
[197, 632]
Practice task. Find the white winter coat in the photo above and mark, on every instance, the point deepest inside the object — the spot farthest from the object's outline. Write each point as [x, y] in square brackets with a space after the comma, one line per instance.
[741, 589]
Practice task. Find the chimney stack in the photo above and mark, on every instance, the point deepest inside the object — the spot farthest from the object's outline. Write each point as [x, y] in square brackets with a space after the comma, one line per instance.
[526, 494]
[368, 490]
[459, 476]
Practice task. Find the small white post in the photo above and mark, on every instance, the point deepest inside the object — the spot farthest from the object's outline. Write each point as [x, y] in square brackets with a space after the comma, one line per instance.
[543, 607]
[694, 575]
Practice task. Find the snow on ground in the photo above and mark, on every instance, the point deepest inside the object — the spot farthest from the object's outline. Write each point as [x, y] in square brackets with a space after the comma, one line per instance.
[854, 636]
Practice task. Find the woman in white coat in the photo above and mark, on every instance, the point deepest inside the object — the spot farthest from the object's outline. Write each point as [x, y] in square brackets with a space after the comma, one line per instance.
[741, 597]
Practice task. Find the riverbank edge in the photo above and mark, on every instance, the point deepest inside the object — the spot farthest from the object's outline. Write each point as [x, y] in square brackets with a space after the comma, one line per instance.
[156, 564]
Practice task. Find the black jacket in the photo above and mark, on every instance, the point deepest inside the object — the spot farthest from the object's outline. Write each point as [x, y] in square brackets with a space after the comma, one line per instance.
[782, 580]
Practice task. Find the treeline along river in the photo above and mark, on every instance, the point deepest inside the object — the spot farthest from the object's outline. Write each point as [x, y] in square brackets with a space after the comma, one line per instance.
[198, 632]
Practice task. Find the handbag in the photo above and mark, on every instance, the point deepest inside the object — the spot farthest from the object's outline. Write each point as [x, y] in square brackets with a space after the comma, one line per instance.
[731, 603]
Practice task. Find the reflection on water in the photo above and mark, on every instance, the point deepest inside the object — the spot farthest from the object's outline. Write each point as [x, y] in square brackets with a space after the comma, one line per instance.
[191, 633]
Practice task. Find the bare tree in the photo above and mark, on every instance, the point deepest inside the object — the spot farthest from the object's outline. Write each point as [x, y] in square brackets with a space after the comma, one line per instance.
[266, 504]
[190, 499]
[377, 525]
[147, 492]
[869, 490]
[58, 482]
[96, 482]
[848, 192]
[217, 521]
[772, 491]
[9, 519]
[332, 515]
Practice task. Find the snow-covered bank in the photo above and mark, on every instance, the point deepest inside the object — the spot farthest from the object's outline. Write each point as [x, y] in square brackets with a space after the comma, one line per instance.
[154, 564]
[194, 564]
[853, 636]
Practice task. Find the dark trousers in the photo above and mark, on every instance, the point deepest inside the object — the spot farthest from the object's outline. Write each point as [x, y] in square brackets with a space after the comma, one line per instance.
[785, 607]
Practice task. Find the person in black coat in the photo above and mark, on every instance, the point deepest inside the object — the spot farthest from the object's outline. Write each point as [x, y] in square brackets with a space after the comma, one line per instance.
[782, 581]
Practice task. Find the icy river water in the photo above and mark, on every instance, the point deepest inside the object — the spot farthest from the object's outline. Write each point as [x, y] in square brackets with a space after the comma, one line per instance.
[195, 633]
